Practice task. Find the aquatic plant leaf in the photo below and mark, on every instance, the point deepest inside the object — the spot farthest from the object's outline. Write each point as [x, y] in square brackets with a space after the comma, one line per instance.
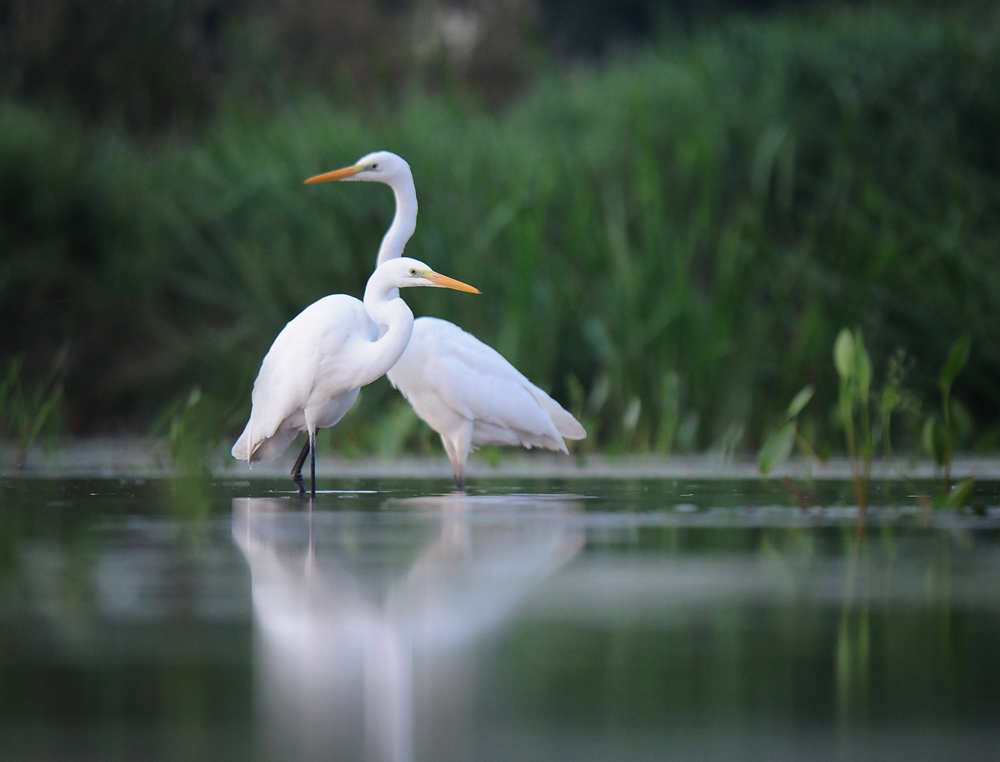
[777, 448]
[630, 418]
[957, 358]
[800, 400]
[934, 440]
[862, 366]
[844, 354]
[960, 495]
[962, 425]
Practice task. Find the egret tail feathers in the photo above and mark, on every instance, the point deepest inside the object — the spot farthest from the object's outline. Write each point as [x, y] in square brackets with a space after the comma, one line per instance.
[266, 449]
[565, 423]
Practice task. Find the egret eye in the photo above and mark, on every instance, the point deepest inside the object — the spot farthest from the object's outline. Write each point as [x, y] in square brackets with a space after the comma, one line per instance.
[413, 271]
[375, 165]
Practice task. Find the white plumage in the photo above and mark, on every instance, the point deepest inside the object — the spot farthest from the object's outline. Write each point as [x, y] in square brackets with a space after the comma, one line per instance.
[300, 383]
[470, 395]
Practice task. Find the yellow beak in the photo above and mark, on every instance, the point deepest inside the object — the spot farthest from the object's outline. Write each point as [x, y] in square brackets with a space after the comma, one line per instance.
[337, 174]
[444, 281]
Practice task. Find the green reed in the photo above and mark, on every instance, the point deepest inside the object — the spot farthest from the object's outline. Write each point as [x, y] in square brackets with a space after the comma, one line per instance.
[865, 413]
[29, 411]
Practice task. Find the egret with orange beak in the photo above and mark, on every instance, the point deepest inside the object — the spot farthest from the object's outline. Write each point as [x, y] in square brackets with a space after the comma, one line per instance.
[318, 363]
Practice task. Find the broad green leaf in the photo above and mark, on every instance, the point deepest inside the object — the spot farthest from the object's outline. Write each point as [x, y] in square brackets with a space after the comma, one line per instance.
[959, 495]
[777, 448]
[933, 439]
[962, 425]
[927, 435]
[862, 365]
[957, 358]
[800, 401]
[843, 354]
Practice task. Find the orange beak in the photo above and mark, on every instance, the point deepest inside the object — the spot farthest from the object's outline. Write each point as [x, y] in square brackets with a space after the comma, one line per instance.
[337, 174]
[444, 281]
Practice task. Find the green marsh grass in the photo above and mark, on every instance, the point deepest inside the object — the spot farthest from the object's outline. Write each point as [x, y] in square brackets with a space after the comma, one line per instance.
[29, 411]
[669, 244]
[941, 434]
[864, 431]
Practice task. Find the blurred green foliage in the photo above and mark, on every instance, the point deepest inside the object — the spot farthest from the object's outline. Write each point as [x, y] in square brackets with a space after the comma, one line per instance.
[942, 435]
[863, 432]
[669, 243]
[29, 411]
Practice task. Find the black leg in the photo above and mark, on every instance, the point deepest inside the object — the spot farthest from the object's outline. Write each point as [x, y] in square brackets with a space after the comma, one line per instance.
[460, 482]
[297, 468]
[312, 447]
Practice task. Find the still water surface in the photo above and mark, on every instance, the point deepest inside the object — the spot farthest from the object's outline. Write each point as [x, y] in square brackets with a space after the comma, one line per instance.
[536, 620]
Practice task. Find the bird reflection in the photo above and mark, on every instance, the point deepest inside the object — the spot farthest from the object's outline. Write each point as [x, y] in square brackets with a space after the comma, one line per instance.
[363, 619]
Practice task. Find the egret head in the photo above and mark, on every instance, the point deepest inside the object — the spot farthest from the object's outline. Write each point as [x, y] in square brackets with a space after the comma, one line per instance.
[379, 167]
[404, 272]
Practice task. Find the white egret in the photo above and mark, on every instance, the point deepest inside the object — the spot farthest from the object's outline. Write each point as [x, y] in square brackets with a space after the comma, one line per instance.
[463, 389]
[313, 371]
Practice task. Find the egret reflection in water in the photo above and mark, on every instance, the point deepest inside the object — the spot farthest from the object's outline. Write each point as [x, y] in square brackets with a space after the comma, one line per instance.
[363, 621]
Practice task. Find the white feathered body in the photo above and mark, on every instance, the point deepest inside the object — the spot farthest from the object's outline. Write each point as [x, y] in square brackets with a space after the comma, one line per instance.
[311, 375]
[467, 392]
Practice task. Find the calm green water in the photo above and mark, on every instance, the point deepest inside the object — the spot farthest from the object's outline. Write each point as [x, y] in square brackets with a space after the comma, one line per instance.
[537, 620]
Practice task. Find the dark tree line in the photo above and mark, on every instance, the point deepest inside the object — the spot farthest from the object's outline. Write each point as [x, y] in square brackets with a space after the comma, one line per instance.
[159, 63]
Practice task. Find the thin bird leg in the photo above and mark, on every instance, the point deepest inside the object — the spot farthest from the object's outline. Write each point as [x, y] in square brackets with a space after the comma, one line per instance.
[457, 467]
[312, 447]
[461, 440]
[297, 468]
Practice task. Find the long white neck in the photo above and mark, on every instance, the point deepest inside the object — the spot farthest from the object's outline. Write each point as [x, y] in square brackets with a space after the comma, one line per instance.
[395, 321]
[403, 223]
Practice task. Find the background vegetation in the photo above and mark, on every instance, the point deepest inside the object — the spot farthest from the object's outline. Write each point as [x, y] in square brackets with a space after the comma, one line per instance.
[669, 236]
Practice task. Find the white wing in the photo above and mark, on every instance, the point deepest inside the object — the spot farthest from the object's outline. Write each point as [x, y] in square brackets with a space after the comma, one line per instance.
[306, 376]
[450, 377]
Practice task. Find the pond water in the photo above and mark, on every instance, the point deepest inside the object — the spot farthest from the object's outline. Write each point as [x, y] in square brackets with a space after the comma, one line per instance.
[538, 619]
